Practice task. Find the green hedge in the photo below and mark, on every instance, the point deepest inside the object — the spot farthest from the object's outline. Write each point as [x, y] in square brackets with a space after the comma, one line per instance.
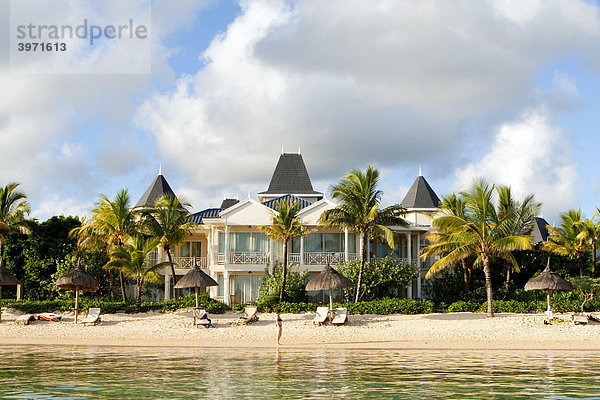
[108, 307]
[382, 307]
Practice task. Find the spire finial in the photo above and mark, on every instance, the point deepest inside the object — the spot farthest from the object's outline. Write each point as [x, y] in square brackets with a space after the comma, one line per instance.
[281, 149]
[420, 173]
[248, 192]
[160, 169]
[298, 149]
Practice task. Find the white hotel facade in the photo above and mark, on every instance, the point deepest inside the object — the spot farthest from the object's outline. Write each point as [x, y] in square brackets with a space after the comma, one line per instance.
[230, 247]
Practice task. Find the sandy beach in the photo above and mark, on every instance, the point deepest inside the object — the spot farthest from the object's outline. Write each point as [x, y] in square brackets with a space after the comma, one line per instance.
[431, 331]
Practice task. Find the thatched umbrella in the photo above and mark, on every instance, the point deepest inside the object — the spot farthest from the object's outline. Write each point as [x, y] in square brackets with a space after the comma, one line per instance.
[5, 280]
[196, 278]
[78, 280]
[329, 279]
[548, 281]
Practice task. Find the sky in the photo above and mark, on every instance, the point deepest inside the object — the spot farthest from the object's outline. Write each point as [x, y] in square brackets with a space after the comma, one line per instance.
[504, 90]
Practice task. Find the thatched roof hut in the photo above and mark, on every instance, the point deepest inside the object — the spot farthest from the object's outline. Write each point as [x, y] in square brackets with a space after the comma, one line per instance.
[548, 280]
[77, 280]
[196, 278]
[329, 279]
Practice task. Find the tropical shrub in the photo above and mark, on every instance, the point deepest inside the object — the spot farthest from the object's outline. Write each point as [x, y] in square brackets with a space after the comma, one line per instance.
[463, 306]
[380, 280]
[271, 285]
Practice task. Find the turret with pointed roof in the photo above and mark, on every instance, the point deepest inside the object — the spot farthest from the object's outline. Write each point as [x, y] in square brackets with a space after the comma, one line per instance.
[420, 195]
[290, 177]
[159, 187]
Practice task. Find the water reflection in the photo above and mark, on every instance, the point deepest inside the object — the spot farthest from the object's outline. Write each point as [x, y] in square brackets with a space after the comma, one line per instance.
[113, 372]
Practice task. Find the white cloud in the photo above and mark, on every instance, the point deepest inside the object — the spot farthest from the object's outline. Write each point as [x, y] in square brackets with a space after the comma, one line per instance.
[354, 83]
[533, 155]
[46, 138]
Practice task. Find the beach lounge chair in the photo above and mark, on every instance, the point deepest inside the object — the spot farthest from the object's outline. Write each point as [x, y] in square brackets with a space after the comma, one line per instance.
[321, 315]
[93, 317]
[248, 317]
[341, 316]
[201, 318]
[579, 319]
[48, 316]
[24, 319]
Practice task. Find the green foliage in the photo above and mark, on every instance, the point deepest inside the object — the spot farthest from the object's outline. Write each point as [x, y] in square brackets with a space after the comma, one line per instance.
[390, 306]
[379, 280]
[34, 258]
[445, 287]
[271, 285]
[37, 306]
[463, 306]
[588, 288]
[287, 307]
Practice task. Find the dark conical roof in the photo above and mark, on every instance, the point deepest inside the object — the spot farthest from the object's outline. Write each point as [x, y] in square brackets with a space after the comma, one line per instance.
[290, 177]
[329, 278]
[539, 232]
[156, 190]
[420, 195]
[228, 203]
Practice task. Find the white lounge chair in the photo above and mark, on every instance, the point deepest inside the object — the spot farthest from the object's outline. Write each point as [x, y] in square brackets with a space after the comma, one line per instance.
[201, 318]
[321, 315]
[341, 316]
[24, 319]
[249, 316]
[93, 317]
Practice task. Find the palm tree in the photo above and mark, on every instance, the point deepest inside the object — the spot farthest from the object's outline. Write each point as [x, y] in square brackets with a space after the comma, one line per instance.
[13, 208]
[132, 258]
[524, 214]
[481, 232]
[453, 205]
[359, 210]
[567, 239]
[167, 221]
[590, 232]
[285, 226]
[111, 225]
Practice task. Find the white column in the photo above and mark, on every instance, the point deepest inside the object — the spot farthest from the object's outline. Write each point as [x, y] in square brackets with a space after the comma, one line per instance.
[419, 264]
[301, 251]
[167, 287]
[211, 257]
[346, 250]
[213, 289]
[226, 287]
[409, 259]
[271, 255]
[226, 244]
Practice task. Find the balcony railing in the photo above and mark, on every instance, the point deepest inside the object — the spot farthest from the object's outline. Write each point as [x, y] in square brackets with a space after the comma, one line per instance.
[248, 258]
[188, 262]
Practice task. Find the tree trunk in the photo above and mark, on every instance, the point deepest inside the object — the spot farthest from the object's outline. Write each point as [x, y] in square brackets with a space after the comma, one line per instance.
[507, 282]
[138, 303]
[168, 250]
[111, 289]
[466, 278]
[488, 286]
[284, 271]
[593, 258]
[363, 257]
[122, 279]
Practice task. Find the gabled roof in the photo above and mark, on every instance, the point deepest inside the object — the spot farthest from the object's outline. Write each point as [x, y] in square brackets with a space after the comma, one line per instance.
[200, 215]
[290, 177]
[420, 195]
[274, 203]
[228, 203]
[160, 187]
[539, 232]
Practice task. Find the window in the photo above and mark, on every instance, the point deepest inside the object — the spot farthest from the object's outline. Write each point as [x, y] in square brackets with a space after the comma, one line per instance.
[245, 287]
[248, 242]
[191, 249]
[221, 282]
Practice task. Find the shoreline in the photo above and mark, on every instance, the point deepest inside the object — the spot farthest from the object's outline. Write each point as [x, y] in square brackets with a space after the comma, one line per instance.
[451, 331]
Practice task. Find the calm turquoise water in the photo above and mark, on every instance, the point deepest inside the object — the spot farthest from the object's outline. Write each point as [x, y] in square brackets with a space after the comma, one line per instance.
[115, 373]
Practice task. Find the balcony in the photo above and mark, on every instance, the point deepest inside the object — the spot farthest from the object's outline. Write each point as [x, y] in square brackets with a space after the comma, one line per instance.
[188, 262]
[251, 258]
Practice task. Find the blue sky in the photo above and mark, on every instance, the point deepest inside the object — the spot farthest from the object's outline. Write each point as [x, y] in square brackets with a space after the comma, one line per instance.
[462, 89]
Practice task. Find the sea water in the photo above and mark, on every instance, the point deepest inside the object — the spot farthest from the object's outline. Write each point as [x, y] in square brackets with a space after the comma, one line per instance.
[104, 372]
